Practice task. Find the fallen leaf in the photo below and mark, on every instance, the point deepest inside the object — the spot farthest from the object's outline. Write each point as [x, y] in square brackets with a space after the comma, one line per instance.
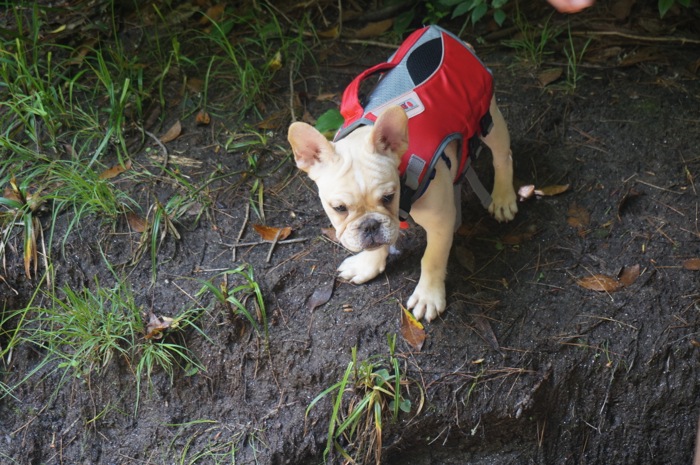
[270, 233]
[548, 76]
[517, 238]
[629, 274]
[202, 118]
[330, 234]
[136, 223]
[195, 85]
[552, 190]
[320, 296]
[578, 217]
[412, 330]
[115, 171]
[600, 283]
[173, 133]
[692, 264]
[214, 13]
[483, 327]
[374, 29]
[630, 195]
[275, 63]
[331, 33]
[327, 97]
[156, 326]
[465, 257]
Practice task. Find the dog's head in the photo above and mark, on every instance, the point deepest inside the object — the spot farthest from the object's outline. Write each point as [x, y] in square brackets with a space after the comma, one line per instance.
[357, 177]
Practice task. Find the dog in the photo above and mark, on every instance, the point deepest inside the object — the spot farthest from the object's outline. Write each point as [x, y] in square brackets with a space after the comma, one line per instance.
[372, 174]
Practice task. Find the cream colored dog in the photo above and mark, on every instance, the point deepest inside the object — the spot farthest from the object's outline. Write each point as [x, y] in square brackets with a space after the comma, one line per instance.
[358, 183]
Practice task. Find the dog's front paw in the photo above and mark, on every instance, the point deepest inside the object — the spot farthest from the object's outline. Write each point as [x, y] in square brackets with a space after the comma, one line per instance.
[427, 301]
[504, 203]
[364, 266]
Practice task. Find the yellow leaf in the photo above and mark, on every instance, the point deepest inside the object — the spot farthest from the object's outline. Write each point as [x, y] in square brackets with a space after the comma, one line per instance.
[412, 330]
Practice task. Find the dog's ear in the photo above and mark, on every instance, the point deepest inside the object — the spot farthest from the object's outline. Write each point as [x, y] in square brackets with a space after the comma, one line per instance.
[390, 132]
[309, 145]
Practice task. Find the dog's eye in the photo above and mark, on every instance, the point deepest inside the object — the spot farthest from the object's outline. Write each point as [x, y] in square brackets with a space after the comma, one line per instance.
[340, 208]
[388, 198]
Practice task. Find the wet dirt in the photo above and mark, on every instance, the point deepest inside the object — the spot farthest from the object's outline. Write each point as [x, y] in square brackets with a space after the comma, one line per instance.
[526, 366]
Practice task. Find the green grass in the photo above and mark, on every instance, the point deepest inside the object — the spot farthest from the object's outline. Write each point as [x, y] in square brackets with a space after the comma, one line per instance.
[369, 392]
[234, 296]
[534, 40]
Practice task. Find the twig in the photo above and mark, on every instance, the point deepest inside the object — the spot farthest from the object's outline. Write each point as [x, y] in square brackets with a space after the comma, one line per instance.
[162, 148]
[682, 40]
[291, 91]
[286, 241]
[240, 233]
[272, 246]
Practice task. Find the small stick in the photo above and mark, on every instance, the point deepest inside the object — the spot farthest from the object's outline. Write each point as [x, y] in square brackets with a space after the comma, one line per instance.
[162, 148]
[272, 246]
[240, 233]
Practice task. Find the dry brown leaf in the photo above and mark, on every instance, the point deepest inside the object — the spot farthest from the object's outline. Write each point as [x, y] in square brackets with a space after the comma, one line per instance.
[412, 330]
[578, 217]
[115, 171]
[548, 76]
[331, 33]
[275, 120]
[173, 133]
[330, 234]
[270, 233]
[136, 223]
[202, 118]
[195, 85]
[629, 274]
[156, 326]
[630, 195]
[327, 97]
[692, 264]
[374, 29]
[600, 283]
[555, 189]
[483, 326]
[517, 238]
[214, 13]
[465, 257]
[320, 296]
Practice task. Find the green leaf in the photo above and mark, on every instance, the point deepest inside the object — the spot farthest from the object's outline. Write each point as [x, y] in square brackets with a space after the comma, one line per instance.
[405, 405]
[479, 12]
[499, 16]
[330, 121]
[461, 9]
[664, 6]
[498, 4]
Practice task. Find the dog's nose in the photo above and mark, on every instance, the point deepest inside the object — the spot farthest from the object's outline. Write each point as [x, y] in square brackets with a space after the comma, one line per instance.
[370, 227]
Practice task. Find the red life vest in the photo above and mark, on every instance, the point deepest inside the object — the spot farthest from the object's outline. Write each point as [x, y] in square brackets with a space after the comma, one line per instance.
[446, 92]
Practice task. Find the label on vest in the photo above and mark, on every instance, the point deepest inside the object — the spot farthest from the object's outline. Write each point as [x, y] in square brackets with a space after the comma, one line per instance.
[409, 101]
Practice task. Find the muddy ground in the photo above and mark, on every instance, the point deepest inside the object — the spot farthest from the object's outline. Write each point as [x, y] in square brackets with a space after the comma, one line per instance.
[525, 366]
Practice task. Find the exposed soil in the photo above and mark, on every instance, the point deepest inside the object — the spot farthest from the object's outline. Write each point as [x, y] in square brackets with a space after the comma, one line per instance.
[525, 366]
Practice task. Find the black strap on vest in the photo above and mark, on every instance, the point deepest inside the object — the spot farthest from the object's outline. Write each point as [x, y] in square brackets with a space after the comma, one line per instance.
[408, 193]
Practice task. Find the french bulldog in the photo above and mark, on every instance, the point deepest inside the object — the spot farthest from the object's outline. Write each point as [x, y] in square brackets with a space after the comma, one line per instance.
[359, 185]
